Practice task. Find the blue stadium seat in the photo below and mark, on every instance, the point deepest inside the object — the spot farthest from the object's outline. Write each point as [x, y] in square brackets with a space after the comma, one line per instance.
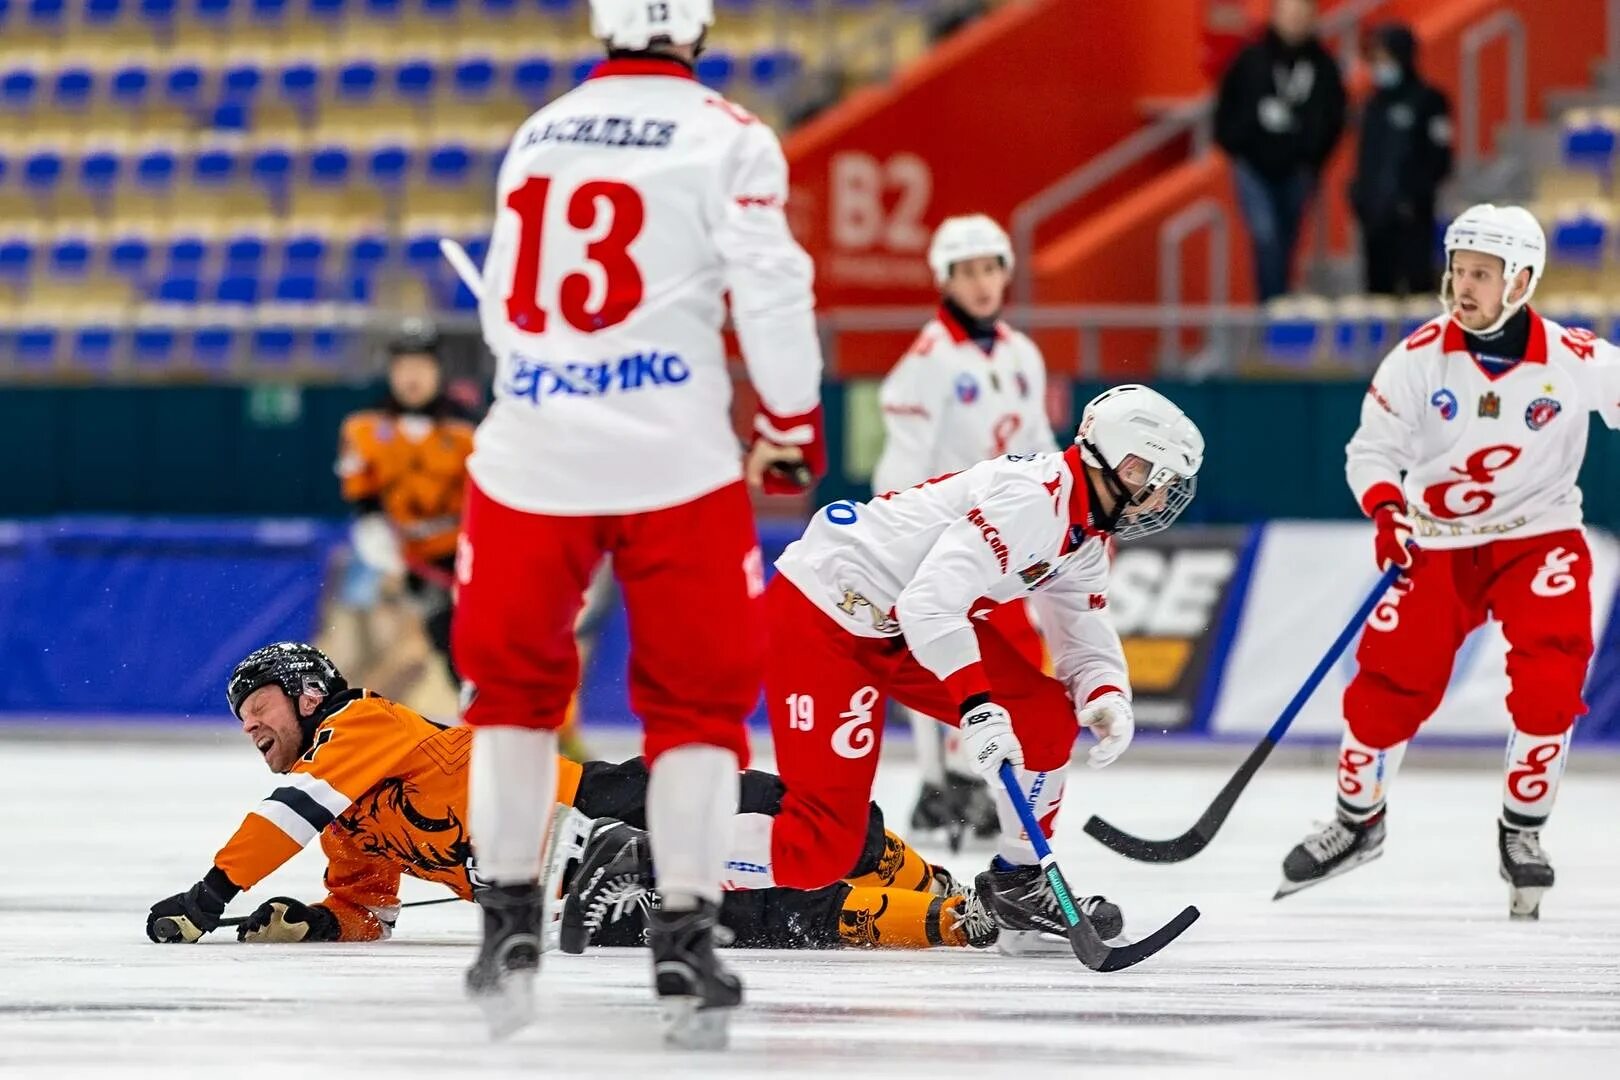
[269, 10]
[234, 116]
[449, 164]
[183, 83]
[214, 11]
[185, 255]
[50, 13]
[73, 87]
[717, 70]
[245, 254]
[177, 289]
[357, 80]
[1580, 236]
[329, 166]
[237, 289]
[422, 254]
[242, 81]
[129, 255]
[769, 68]
[273, 344]
[531, 78]
[329, 345]
[100, 12]
[16, 258]
[383, 9]
[99, 170]
[93, 345]
[300, 83]
[36, 345]
[441, 9]
[366, 253]
[581, 69]
[498, 8]
[131, 85]
[388, 164]
[69, 257]
[158, 11]
[414, 80]
[473, 77]
[19, 88]
[297, 289]
[1589, 142]
[42, 170]
[212, 345]
[271, 167]
[328, 9]
[213, 167]
[560, 7]
[154, 344]
[156, 168]
[303, 254]
[5, 162]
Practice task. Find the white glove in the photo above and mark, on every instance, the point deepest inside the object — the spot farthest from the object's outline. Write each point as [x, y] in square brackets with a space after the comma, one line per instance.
[1110, 719]
[376, 545]
[988, 739]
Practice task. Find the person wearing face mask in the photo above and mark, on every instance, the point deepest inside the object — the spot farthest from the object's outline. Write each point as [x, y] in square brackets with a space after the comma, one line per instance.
[1404, 157]
[1278, 114]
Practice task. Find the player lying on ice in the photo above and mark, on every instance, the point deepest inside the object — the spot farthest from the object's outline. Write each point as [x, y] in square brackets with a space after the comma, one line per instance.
[1471, 437]
[386, 791]
[880, 599]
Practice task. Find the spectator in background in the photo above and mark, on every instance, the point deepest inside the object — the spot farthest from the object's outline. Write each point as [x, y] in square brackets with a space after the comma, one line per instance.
[1279, 113]
[1405, 156]
[404, 468]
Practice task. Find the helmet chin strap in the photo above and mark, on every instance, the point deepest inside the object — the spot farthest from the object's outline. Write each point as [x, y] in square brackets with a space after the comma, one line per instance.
[1116, 487]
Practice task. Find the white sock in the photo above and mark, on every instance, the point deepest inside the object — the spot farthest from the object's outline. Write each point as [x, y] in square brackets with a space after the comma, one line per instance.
[691, 800]
[928, 736]
[511, 790]
[1364, 776]
[749, 864]
[1530, 777]
[1044, 791]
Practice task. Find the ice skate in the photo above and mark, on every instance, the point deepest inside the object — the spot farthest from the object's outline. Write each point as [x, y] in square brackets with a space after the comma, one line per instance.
[614, 874]
[975, 922]
[501, 979]
[961, 807]
[936, 815]
[1330, 851]
[1024, 906]
[1524, 867]
[978, 809]
[695, 990]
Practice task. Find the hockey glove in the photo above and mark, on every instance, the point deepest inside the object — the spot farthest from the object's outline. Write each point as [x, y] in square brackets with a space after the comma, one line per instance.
[376, 545]
[987, 736]
[1394, 533]
[1108, 715]
[283, 919]
[788, 454]
[185, 917]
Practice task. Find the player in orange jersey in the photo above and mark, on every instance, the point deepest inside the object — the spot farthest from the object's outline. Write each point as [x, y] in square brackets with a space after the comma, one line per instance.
[386, 791]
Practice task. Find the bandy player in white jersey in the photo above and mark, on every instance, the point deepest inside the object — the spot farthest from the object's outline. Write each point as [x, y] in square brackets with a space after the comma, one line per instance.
[969, 388]
[626, 210]
[1471, 437]
[878, 600]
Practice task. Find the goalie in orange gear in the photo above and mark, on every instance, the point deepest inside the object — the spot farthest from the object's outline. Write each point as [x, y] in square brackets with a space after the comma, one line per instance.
[386, 791]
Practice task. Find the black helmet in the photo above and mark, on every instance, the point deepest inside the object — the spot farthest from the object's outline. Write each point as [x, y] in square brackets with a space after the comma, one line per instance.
[292, 665]
[415, 337]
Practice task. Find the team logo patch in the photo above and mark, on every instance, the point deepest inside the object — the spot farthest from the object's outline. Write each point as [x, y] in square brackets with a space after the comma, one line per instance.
[1031, 574]
[967, 389]
[1541, 412]
[1490, 406]
[1446, 402]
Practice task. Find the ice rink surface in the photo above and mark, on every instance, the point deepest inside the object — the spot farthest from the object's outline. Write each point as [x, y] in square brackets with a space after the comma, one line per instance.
[1406, 967]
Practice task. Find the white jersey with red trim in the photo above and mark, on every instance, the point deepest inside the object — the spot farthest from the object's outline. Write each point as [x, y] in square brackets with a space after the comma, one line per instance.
[626, 210]
[1489, 449]
[948, 404]
[919, 562]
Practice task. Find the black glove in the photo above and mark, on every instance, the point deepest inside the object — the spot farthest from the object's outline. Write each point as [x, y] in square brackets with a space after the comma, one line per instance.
[283, 919]
[185, 917]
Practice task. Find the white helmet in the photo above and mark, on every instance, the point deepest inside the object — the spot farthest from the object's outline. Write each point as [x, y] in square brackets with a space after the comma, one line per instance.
[971, 236]
[635, 24]
[1512, 234]
[1136, 421]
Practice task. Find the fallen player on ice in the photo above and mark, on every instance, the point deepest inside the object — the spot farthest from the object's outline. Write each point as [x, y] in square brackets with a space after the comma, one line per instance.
[386, 791]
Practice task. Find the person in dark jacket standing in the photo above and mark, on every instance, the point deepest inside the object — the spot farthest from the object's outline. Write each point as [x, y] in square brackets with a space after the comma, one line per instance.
[1279, 114]
[1405, 156]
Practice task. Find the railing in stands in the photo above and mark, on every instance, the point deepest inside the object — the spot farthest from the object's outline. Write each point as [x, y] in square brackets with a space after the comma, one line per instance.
[1471, 135]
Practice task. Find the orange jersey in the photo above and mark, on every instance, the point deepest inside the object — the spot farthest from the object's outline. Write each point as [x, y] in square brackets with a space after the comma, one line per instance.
[416, 467]
[386, 791]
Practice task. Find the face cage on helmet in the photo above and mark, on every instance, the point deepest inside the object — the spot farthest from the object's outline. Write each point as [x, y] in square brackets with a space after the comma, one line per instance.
[1178, 495]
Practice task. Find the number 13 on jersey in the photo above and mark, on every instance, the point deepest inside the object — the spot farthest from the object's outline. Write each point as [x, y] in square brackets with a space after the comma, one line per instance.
[609, 207]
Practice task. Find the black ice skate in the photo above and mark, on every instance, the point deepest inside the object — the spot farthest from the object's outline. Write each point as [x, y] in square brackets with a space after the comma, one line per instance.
[501, 979]
[615, 874]
[1024, 906]
[961, 806]
[1524, 867]
[1338, 846]
[695, 990]
[978, 808]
